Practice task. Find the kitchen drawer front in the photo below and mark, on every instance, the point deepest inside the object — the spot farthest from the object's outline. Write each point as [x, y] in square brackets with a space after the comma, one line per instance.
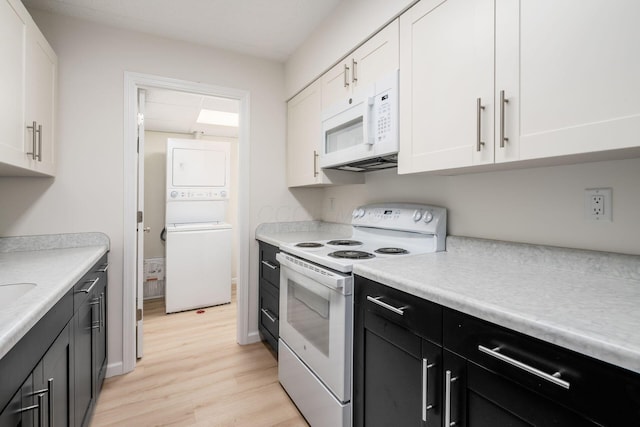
[608, 394]
[269, 267]
[89, 282]
[269, 307]
[420, 316]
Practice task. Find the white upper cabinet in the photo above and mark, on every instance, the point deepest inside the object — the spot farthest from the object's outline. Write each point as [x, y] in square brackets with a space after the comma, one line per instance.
[446, 66]
[377, 57]
[28, 85]
[572, 69]
[493, 81]
[304, 143]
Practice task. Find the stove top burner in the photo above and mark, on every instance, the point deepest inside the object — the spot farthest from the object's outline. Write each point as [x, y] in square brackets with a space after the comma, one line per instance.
[309, 245]
[391, 251]
[352, 254]
[344, 242]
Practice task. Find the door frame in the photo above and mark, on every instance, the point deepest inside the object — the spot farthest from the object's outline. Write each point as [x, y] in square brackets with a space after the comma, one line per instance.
[132, 82]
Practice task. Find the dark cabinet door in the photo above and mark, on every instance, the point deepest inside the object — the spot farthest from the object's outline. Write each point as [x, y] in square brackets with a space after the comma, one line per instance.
[52, 379]
[397, 374]
[83, 360]
[23, 410]
[269, 295]
[99, 325]
[480, 397]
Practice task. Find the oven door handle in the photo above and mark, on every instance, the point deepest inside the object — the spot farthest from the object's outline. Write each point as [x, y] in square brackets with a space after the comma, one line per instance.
[330, 279]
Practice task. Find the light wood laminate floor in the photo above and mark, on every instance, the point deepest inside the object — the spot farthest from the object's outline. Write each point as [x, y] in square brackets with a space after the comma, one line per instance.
[193, 373]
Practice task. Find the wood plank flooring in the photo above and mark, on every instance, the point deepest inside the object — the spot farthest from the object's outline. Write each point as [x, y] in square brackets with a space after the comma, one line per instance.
[194, 373]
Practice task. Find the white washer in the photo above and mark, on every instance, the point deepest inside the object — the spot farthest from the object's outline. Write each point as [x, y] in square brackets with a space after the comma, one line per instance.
[198, 269]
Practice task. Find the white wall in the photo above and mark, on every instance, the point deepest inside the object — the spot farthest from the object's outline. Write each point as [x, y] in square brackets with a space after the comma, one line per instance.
[349, 25]
[539, 205]
[87, 194]
[155, 168]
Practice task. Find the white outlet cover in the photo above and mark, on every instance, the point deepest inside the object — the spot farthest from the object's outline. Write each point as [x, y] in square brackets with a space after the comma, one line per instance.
[588, 207]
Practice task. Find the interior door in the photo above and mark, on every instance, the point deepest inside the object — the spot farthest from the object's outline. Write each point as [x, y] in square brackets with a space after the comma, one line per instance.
[140, 228]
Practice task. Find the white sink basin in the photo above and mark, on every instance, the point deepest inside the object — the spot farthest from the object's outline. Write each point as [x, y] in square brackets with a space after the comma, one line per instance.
[12, 291]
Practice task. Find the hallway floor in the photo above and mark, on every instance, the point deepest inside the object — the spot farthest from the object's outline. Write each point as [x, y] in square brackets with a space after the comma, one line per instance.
[193, 373]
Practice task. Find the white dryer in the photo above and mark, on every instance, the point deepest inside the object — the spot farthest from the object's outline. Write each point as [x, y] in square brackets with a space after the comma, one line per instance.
[198, 243]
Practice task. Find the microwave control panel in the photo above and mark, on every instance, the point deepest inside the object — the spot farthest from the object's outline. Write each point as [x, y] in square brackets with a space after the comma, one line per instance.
[383, 126]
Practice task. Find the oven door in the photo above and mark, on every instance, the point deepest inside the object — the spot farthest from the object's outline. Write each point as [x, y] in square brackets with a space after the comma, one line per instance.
[316, 321]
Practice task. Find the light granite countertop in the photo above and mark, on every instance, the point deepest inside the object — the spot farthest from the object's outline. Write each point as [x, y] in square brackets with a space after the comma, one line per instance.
[585, 301]
[54, 263]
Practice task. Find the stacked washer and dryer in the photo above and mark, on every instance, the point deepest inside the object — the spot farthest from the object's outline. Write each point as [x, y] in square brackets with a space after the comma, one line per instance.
[198, 240]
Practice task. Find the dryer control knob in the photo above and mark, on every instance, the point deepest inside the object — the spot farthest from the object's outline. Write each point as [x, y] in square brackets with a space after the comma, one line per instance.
[223, 193]
[417, 215]
[428, 216]
[174, 194]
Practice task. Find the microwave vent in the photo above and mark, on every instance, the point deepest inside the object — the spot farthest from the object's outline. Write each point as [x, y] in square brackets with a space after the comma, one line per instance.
[368, 165]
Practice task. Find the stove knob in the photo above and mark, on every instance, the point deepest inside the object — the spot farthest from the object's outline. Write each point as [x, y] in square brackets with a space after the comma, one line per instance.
[417, 215]
[428, 216]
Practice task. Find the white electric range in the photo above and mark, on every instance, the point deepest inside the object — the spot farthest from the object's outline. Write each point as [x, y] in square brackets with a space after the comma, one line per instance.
[316, 286]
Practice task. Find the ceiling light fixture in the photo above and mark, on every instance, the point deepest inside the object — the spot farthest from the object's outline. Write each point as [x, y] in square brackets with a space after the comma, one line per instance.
[221, 118]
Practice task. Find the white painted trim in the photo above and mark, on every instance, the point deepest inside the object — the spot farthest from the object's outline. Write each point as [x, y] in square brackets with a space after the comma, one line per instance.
[253, 337]
[114, 369]
[133, 81]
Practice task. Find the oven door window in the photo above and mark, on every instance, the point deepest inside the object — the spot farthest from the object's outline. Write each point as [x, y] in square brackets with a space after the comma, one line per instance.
[308, 312]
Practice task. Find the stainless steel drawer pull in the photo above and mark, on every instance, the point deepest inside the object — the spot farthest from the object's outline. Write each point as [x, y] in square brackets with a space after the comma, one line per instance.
[479, 108]
[266, 313]
[397, 310]
[315, 163]
[33, 153]
[346, 76]
[503, 101]
[38, 407]
[271, 266]
[425, 387]
[553, 378]
[103, 268]
[448, 380]
[93, 283]
[39, 156]
[50, 397]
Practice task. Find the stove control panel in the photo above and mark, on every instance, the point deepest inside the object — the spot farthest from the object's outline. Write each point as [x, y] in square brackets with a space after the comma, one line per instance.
[402, 216]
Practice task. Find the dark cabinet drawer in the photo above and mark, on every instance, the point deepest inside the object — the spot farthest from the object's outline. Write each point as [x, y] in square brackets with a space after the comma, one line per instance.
[85, 286]
[269, 266]
[269, 308]
[422, 317]
[605, 393]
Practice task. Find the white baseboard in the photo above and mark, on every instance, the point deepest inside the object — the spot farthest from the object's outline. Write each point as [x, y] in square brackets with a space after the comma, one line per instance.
[253, 337]
[114, 369]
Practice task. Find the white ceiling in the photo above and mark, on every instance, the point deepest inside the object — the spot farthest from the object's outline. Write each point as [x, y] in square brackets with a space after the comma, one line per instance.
[270, 29]
[172, 111]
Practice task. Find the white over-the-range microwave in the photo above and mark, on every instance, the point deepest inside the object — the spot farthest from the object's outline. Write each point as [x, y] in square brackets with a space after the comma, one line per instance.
[360, 133]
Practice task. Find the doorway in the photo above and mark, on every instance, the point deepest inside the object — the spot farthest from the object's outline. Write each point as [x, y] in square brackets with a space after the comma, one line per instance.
[159, 89]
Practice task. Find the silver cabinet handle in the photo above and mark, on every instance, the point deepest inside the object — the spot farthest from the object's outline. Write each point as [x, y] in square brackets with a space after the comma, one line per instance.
[39, 155]
[268, 264]
[553, 378]
[425, 387]
[266, 313]
[103, 310]
[95, 324]
[503, 101]
[103, 268]
[315, 163]
[37, 407]
[354, 65]
[50, 398]
[346, 76]
[479, 108]
[34, 130]
[93, 283]
[448, 380]
[396, 310]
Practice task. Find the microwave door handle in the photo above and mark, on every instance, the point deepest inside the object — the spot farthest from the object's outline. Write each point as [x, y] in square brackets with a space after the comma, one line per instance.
[368, 122]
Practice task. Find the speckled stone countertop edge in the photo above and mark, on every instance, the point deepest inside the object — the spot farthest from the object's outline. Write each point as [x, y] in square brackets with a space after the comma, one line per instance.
[53, 241]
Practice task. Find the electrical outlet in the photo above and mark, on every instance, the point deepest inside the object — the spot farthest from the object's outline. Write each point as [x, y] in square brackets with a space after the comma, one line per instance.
[597, 204]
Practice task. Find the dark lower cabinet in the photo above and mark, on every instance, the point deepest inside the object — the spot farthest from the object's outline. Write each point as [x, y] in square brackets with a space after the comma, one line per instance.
[477, 374]
[89, 344]
[269, 295]
[52, 376]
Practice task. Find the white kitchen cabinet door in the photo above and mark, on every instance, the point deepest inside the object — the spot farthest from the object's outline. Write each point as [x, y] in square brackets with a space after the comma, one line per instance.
[304, 142]
[28, 85]
[377, 57]
[446, 65]
[41, 100]
[13, 28]
[570, 71]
